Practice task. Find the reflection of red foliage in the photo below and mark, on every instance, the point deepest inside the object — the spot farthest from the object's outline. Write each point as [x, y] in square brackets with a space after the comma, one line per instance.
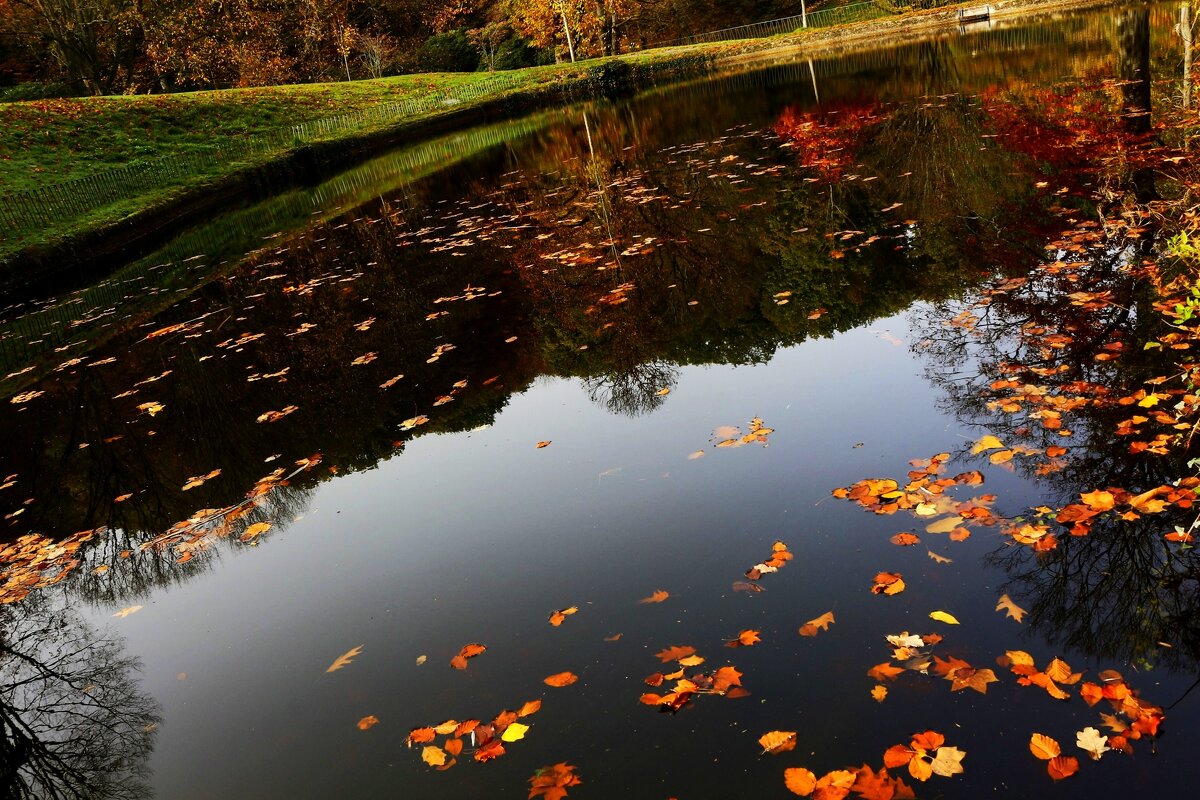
[827, 141]
[1063, 127]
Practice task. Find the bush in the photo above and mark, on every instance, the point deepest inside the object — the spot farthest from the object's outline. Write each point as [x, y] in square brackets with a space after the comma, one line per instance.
[448, 52]
[515, 53]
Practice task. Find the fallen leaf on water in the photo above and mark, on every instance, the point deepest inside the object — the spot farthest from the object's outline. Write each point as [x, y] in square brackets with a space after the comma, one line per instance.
[421, 660]
[939, 559]
[905, 539]
[151, 408]
[888, 583]
[433, 756]
[662, 392]
[745, 639]
[942, 616]
[540, 445]
[746, 586]
[1061, 767]
[777, 741]
[616, 637]
[557, 617]
[552, 782]
[1044, 747]
[560, 679]
[657, 597]
[695, 455]
[366, 723]
[879, 693]
[799, 781]
[1090, 741]
[345, 658]
[531, 707]
[514, 732]
[884, 672]
[254, 530]
[467, 651]
[675, 653]
[1012, 610]
[988, 442]
[821, 623]
[199, 480]
[125, 612]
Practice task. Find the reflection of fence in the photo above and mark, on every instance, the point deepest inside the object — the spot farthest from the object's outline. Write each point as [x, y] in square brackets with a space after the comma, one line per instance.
[36, 208]
[823, 18]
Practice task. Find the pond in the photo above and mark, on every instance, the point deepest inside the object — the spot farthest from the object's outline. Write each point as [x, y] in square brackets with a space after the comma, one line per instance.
[604, 391]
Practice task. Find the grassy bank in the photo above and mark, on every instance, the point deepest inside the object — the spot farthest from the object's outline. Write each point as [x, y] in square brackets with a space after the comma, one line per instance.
[217, 135]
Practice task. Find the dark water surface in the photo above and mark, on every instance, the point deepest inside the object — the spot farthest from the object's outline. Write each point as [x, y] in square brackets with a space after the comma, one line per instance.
[549, 280]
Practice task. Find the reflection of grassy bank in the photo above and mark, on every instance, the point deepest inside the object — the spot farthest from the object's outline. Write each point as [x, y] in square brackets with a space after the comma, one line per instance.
[77, 138]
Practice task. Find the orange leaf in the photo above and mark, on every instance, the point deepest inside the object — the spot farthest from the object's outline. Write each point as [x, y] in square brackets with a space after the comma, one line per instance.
[532, 707]
[777, 741]
[897, 756]
[453, 746]
[658, 596]
[420, 735]
[367, 722]
[821, 623]
[345, 658]
[490, 750]
[799, 781]
[888, 583]
[675, 652]
[1098, 500]
[561, 679]
[1062, 767]
[905, 539]
[1044, 747]
[468, 651]
[884, 671]
[540, 445]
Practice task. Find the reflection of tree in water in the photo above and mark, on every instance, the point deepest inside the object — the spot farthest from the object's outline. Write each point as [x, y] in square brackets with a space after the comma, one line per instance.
[634, 391]
[75, 724]
[1121, 590]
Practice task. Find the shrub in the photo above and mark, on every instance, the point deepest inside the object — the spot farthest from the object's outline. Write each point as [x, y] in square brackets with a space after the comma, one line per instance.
[448, 52]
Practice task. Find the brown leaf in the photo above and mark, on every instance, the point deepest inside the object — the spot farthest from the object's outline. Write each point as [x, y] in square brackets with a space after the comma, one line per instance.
[467, 651]
[905, 539]
[1062, 767]
[366, 723]
[675, 653]
[888, 583]
[799, 781]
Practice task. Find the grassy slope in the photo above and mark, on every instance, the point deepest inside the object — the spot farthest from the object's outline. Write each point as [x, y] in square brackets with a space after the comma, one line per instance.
[45, 142]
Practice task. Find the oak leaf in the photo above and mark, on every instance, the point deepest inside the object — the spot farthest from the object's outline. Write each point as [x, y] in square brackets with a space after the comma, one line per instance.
[345, 658]
[821, 623]
[879, 693]
[746, 638]
[1090, 741]
[1011, 609]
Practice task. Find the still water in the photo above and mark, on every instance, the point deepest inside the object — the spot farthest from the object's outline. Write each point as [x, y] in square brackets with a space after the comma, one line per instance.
[519, 370]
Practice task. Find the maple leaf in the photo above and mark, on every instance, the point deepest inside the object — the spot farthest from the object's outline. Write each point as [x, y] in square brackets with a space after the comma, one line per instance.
[675, 653]
[1098, 500]
[658, 596]
[345, 658]
[947, 761]
[884, 672]
[1090, 741]
[775, 742]
[746, 638]
[366, 723]
[560, 679]
[551, 783]
[725, 679]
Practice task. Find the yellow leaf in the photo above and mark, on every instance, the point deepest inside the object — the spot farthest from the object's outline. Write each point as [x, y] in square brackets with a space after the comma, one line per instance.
[514, 732]
[942, 616]
[944, 525]
[256, 529]
[879, 693]
[125, 612]
[662, 392]
[433, 756]
[695, 455]
[1001, 456]
[345, 658]
[691, 661]
[988, 442]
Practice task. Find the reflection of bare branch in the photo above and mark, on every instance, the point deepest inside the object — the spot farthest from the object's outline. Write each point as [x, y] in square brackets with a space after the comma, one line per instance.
[75, 724]
[635, 391]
